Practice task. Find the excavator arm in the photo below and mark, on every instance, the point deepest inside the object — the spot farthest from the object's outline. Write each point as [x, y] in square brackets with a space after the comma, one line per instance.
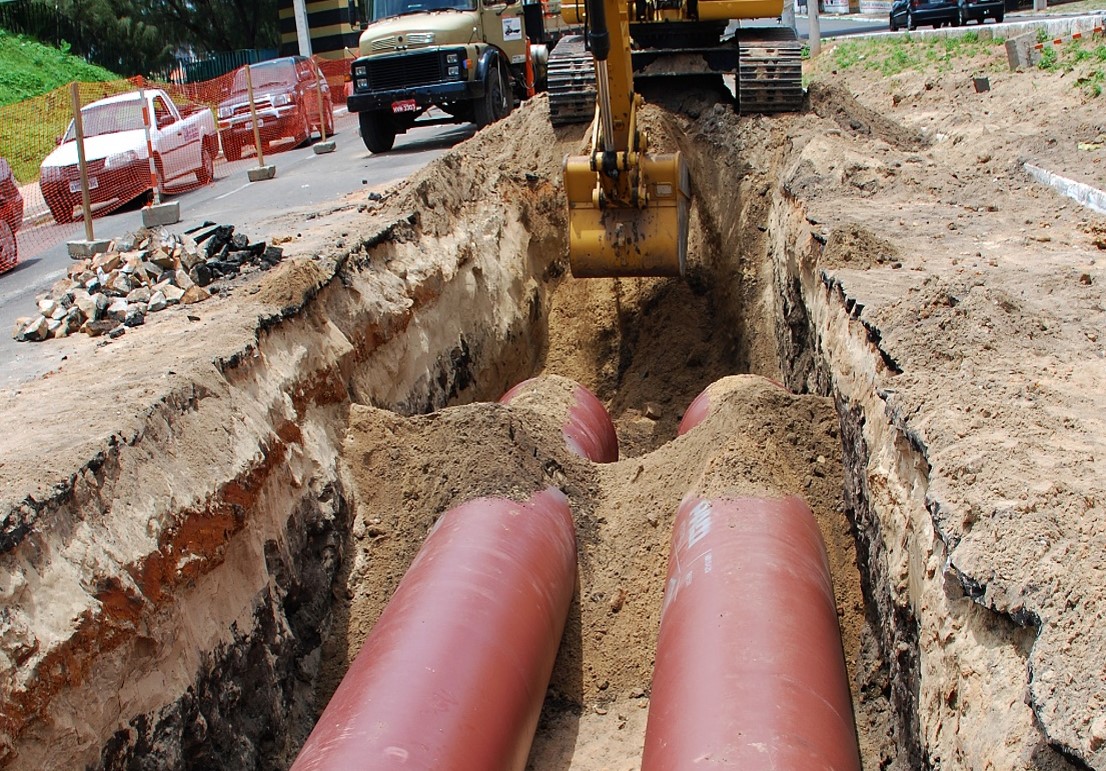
[627, 208]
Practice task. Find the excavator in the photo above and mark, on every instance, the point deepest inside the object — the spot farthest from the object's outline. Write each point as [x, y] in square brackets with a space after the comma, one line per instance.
[628, 208]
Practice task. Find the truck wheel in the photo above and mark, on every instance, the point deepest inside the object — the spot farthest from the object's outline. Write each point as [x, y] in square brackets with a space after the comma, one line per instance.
[9, 247]
[232, 149]
[206, 172]
[497, 100]
[377, 131]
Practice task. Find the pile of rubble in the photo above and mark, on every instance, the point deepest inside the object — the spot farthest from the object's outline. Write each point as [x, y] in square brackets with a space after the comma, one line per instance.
[142, 273]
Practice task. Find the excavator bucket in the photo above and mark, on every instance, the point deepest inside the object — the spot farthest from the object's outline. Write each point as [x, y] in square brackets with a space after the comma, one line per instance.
[607, 240]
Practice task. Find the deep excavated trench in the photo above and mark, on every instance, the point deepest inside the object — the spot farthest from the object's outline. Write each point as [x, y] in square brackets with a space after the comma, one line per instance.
[361, 412]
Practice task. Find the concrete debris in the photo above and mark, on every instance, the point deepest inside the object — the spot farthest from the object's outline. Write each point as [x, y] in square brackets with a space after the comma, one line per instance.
[142, 273]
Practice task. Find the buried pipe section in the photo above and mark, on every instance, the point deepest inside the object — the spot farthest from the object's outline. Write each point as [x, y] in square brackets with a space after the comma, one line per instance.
[749, 669]
[587, 428]
[454, 673]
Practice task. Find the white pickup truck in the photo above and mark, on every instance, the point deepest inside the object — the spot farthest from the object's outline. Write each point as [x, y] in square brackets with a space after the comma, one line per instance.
[185, 143]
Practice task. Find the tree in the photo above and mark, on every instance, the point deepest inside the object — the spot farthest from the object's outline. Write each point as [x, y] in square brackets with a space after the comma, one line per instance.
[133, 37]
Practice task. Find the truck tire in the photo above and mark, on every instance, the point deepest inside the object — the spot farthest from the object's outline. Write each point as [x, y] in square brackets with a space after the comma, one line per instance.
[497, 100]
[232, 149]
[206, 172]
[377, 131]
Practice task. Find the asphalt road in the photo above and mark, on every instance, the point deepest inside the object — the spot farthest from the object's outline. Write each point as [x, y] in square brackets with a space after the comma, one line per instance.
[302, 179]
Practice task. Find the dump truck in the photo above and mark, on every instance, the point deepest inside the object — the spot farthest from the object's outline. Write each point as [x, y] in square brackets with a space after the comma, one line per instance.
[472, 60]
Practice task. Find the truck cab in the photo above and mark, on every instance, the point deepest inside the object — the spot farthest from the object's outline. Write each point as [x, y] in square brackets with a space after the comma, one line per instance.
[471, 59]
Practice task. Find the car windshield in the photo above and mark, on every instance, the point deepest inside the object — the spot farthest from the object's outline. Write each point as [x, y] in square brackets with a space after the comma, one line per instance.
[266, 75]
[383, 9]
[108, 118]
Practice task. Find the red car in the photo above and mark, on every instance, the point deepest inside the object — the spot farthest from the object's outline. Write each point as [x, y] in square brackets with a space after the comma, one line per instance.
[11, 217]
[286, 100]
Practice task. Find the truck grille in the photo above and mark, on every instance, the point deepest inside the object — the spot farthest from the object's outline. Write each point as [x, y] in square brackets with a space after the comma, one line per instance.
[421, 69]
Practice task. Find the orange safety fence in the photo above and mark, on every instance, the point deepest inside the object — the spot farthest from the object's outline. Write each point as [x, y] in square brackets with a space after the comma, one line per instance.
[193, 129]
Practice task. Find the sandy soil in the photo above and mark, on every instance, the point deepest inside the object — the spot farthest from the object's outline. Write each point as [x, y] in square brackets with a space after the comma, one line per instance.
[981, 291]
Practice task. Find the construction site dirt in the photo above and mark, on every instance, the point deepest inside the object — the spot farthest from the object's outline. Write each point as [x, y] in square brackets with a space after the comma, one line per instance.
[202, 519]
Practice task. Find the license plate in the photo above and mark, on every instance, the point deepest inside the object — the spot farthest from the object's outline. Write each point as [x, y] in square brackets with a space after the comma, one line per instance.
[75, 185]
[405, 105]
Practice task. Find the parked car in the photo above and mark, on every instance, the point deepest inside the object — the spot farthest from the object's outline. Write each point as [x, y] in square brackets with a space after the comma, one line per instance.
[286, 100]
[183, 139]
[978, 10]
[11, 217]
[911, 13]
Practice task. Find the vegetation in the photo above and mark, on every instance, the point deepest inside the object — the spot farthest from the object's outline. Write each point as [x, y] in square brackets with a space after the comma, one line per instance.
[901, 53]
[140, 37]
[28, 68]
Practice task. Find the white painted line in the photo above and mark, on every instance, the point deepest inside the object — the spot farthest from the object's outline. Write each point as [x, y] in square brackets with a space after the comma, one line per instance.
[232, 192]
[1088, 196]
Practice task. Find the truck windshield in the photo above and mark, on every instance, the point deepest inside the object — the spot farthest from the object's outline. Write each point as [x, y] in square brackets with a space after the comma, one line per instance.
[108, 118]
[384, 9]
[274, 73]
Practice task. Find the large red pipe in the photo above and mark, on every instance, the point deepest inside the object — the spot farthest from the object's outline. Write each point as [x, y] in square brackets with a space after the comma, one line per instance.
[587, 428]
[455, 670]
[749, 669]
[703, 404]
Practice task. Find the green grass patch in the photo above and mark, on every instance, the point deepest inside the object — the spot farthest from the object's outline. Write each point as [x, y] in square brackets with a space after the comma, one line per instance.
[904, 53]
[28, 68]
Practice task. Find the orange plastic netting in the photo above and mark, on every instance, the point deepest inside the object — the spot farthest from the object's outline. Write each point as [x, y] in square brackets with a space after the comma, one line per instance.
[193, 127]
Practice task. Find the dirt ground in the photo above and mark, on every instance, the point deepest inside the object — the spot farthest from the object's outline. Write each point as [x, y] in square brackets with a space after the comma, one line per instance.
[981, 291]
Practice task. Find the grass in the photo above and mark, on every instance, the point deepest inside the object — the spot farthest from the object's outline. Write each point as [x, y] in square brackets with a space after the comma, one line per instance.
[894, 55]
[35, 104]
[902, 53]
[29, 69]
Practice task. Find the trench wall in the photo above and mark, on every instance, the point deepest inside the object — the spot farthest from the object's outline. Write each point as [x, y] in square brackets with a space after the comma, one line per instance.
[166, 605]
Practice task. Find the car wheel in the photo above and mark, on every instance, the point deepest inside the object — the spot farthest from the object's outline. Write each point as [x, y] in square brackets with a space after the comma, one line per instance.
[497, 100]
[62, 210]
[891, 23]
[378, 132]
[9, 247]
[206, 172]
[998, 18]
[910, 23]
[305, 129]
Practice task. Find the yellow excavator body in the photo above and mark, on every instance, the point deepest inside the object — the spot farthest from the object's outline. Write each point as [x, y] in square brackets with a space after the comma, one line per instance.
[627, 207]
[606, 239]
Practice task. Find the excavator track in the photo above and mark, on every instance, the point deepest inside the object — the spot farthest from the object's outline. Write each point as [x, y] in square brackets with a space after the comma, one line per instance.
[769, 70]
[571, 83]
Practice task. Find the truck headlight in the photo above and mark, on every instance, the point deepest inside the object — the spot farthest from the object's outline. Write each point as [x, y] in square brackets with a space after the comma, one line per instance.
[279, 100]
[362, 84]
[225, 112]
[119, 160]
[454, 71]
[51, 174]
[361, 72]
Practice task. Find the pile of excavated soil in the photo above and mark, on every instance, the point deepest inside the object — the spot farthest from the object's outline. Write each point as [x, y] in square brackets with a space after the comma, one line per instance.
[937, 317]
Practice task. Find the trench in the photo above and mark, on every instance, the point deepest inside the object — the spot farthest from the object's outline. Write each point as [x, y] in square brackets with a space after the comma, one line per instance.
[364, 400]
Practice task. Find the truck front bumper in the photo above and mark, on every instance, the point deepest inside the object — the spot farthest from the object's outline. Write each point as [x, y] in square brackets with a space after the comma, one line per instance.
[423, 96]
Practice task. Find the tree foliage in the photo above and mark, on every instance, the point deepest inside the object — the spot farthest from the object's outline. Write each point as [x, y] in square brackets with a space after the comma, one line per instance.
[134, 37]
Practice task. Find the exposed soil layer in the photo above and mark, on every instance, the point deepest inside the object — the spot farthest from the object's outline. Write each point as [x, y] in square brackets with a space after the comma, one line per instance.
[898, 325]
